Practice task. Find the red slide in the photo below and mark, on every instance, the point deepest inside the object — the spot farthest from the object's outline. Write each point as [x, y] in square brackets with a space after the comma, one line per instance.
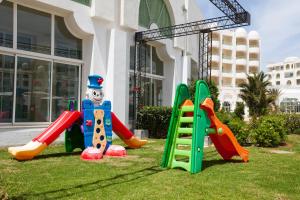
[225, 143]
[126, 135]
[38, 144]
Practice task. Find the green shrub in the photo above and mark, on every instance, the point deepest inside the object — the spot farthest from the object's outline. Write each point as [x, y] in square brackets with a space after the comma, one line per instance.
[225, 117]
[239, 110]
[240, 129]
[297, 131]
[155, 119]
[292, 123]
[270, 131]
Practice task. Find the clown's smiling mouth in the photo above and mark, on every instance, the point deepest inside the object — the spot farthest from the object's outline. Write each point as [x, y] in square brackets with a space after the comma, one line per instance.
[97, 99]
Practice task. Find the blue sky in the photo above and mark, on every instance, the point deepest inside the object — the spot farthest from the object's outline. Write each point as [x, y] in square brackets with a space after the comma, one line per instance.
[276, 21]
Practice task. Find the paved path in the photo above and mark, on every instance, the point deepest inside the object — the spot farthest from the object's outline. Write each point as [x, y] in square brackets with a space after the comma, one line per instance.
[20, 136]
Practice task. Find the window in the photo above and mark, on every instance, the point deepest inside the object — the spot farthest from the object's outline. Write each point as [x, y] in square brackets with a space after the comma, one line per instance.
[33, 90]
[289, 82]
[298, 81]
[84, 2]
[277, 82]
[154, 12]
[226, 106]
[66, 45]
[290, 105]
[151, 89]
[277, 75]
[6, 24]
[34, 30]
[288, 74]
[7, 69]
[195, 70]
[35, 78]
[64, 87]
[287, 66]
[298, 73]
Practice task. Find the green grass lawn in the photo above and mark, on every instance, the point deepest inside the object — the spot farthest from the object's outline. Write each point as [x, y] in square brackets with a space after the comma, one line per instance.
[57, 175]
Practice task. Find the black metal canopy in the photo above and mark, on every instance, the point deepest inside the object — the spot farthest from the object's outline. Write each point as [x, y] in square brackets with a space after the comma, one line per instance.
[235, 16]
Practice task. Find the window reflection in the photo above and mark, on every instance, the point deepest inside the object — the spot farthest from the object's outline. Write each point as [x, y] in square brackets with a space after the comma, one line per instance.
[7, 65]
[34, 30]
[64, 87]
[33, 90]
[66, 44]
[6, 24]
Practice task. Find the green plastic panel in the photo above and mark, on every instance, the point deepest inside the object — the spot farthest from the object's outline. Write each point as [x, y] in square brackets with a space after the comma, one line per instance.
[182, 94]
[201, 123]
[73, 136]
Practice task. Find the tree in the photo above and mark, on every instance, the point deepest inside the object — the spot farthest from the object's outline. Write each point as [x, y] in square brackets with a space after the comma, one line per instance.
[239, 110]
[274, 95]
[214, 91]
[255, 94]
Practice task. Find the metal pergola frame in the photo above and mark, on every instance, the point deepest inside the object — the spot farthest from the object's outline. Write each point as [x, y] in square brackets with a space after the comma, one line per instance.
[235, 16]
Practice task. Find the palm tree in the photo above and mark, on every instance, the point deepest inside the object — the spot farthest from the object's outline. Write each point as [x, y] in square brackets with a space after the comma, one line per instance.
[255, 94]
[274, 95]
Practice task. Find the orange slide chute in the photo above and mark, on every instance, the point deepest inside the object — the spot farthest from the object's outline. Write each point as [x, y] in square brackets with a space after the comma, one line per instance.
[225, 143]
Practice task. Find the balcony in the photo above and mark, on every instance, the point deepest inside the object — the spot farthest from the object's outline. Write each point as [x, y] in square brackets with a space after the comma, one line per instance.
[227, 68]
[216, 44]
[215, 72]
[215, 58]
[227, 46]
[227, 60]
[239, 81]
[241, 47]
[254, 50]
[253, 69]
[254, 63]
[241, 61]
[226, 82]
[241, 69]
[241, 75]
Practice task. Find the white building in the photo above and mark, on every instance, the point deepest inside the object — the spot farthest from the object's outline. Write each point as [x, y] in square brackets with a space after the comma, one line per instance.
[234, 55]
[49, 47]
[285, 76]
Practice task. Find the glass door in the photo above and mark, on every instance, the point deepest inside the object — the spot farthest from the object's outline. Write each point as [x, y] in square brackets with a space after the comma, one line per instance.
[7, 71]
[32, 90]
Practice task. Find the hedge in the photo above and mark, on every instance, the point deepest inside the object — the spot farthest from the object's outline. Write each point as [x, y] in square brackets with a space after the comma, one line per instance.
[270, 131]
[155, 119]
[292, 123]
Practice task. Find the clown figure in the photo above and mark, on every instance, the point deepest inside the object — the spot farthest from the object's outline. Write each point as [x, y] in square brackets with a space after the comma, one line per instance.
[95, 91]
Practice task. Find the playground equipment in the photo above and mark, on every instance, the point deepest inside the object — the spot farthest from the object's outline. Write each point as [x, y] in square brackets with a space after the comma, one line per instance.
[90, 128]
[196, 120]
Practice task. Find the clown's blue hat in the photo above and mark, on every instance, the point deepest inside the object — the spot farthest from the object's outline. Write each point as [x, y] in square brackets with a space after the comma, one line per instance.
[95, 81]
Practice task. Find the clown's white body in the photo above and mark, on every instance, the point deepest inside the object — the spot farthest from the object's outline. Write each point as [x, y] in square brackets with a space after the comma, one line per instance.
[95, 95]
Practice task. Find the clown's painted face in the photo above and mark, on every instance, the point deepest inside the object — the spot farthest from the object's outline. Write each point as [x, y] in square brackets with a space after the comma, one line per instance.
[95, 95]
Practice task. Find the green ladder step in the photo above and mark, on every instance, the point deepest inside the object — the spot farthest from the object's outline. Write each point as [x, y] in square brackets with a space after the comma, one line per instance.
[184, 141]
[184, 165]
[185, 130]
[186, 119]
[187, 108]
[182, 152]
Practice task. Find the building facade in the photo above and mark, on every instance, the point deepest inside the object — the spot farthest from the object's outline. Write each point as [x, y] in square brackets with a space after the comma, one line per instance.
[234, 55]
[49, 47]
[285, 76]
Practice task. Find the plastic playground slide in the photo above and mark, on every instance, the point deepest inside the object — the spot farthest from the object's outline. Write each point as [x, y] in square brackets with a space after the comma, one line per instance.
[225, 142]
[126, 135]
[38, 144]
